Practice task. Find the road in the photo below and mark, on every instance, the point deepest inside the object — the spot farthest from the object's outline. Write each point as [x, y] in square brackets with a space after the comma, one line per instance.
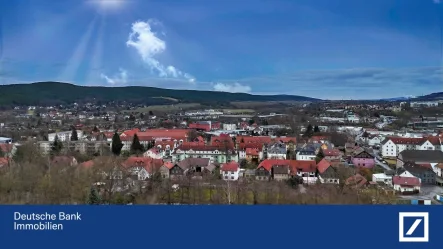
[427, 192]
[385, 166]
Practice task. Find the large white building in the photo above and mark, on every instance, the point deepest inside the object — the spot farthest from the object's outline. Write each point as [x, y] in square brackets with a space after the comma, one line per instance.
[64, 135]
[393, 146]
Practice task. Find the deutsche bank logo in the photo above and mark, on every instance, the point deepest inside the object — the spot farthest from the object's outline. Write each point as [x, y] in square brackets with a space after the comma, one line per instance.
[414, 227]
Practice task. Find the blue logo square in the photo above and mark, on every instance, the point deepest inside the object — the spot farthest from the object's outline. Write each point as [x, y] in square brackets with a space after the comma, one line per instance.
[413, 227]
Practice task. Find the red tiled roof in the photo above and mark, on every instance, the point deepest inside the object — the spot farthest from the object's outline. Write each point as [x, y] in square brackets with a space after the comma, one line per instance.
[406, 181]
[200, 139]
[168, 165]
[356, 180]
[319, 138]
[164, 143]
[302, 166]
[425, 165]
[332, 152]
[149, 164]
[434, 140]
[161, 133]
[268, 163]
[252, 151]
[407, 140]
[232, 167]
[205, 147]
[253, 139]
[185, 144]
[131, 133]
[294, 165]
[323, 165]
[244, 146]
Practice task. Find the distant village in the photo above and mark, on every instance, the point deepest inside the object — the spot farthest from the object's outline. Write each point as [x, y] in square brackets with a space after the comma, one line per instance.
[394, 147]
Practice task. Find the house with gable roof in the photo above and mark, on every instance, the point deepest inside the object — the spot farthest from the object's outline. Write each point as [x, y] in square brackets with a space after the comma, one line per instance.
[230, 171]
[327, 173]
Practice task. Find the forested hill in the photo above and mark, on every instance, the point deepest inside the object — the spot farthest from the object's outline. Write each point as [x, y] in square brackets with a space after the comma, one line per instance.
[49, 93]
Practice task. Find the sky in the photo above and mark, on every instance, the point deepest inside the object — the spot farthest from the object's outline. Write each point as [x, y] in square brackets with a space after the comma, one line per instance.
[341, 49]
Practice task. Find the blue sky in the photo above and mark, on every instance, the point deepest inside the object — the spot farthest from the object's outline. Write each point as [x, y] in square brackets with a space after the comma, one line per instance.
[341, 49]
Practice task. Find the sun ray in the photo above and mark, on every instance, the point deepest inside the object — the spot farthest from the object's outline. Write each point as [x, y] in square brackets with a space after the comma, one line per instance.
[73, 64]
[97, 53]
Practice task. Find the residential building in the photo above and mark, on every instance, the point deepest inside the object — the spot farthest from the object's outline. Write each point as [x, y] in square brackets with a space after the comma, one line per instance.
[280, 172]
[84, 147]
[142, 167]
[304, 169]
[154, 153]
[332, 154]
[253, 155]
[382, 178]
[64, 136]
[327, 173]
[356, 181]
[362, 158]
[391, 147]
[217, 154]
[230, 171]
[406, 185]
[165, 169]
[306, 155]
[229, 127]
[276, 151]
[432, 157]
[423, 171]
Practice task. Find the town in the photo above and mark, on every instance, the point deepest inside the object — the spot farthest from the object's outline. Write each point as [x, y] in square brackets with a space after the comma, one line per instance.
[379, 152]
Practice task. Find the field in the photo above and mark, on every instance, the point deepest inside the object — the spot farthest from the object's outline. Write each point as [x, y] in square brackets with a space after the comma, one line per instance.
[166, 108]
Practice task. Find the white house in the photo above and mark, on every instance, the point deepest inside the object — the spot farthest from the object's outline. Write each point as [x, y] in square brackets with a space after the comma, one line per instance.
[305, 155]
[277, 151]
[230, 171]
[382, 178]
[153, 153]
[229, 127]
[393, 146]
[64, 135]
[406, 184]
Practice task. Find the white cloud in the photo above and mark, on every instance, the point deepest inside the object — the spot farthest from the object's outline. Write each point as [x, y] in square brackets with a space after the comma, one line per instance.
[120, 78]
[233, 88]
[149, 46]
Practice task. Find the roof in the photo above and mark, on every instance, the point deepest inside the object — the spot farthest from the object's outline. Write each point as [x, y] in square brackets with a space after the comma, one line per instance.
[150, 164]
[356, 181]
[193, 162]
[302, 166]
[281, 169]
[286, 139]
[231, 167]
[332, 152]
[168, 165]
[428, 156]
[244, 146]
[323, 165]
[164, 143]
[159, 133]
[254, 139]
[200, 147]
[417, 168]
[252, 151]
[413, 140]
[406, 181]
[268, 163]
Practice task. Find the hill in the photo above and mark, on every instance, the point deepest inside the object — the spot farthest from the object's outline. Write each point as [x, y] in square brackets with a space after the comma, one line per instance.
[50, 93]
[430, 97]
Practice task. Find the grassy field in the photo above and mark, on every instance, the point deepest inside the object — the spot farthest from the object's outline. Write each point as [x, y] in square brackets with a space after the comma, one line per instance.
[166, 108]
[236, 111]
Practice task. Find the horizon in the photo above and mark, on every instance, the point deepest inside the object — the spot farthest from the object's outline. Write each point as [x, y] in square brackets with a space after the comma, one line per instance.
[339, 50]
